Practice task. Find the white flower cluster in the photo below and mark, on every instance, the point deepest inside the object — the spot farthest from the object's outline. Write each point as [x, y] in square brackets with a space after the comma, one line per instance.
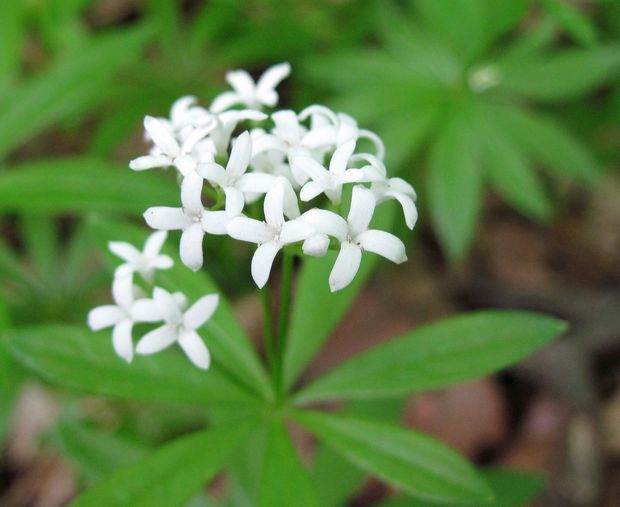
[299, 164]
[179, 324]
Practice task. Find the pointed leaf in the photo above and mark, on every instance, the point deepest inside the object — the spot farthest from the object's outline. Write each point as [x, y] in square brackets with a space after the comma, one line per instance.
[421, 466]
[440, 354]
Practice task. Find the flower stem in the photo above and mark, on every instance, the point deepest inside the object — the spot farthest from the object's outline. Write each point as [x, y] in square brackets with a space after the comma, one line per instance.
[268, 332]
[284, 314]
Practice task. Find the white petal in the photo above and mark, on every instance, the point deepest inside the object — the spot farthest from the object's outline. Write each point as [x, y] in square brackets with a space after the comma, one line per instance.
[409, 208]
[376, 140]
[190, 247]
[191, 192]
[201, 311]
[327, 222]
[125, 251]
[313, 169]
[123, 291]
[214, 222]
[346, 266]
[321, 137]
[291, 203]
[224, 101]
[161, 262]
[256, 182]
[241, 81]
[267, 142]
[248, 229]
[263, 260]
[317, 110]
[149, 162]
[162, 137]
[195, 349]
[180, 108]
[310, 190]
[239, 156]
[166, 218]
[384, 244]
[157, 340]
[105, 316]
[296, 230]
[154, 243]
[365, 175]
[287, 126]
[121, 340]
[362, 208]
[167, 305]
[212, 172]
[145, 310]
[401, 186]
[234, 201]
[316, 245]
[186, 164]
[268, 82]
[340, 158]
[274, 206]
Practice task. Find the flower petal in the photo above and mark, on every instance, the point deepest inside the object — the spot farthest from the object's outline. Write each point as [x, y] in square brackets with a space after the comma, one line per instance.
[123, 291]
[154, 243]
[145, 310]
[296, 230]
[248, 229]
[167, 305]
[239, 156]
[234, 201]
[166, 218]
[271, 78]
[310, 190]
[263, 260]
[361, 211]
[274, 206]
[214, 222]
[241, 81]
[125, 251]
[255, 182]
[121, 340]
[375, 139]
[161, 134]
[105, 316]
[313, 169]
[316, 245]
[149, 162]
[224, 101]
[201, 311]
[383, 243]
[340, 158]
[195, 349]
[190, 247]
[346, 266]
[161, 262]
[191, 192]
[409, 208]
[327, 222]
[212, 172]
[157, 340]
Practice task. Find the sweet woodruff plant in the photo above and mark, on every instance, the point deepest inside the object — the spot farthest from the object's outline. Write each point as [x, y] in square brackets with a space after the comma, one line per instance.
[312, 188]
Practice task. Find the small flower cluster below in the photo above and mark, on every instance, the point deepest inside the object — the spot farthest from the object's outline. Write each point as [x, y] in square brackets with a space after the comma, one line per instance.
[179, 324]
[301, 165]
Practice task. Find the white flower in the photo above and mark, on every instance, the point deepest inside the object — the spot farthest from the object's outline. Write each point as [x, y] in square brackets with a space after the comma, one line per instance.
[234, 180]
[355, 237]
[270, 235]
[403, 192]
[330, 181]
[179, 326]
[121, 316]
[192, 219]
[145, 262]
[334, 129]
[168, 150]
[226, 124]
[251, 94]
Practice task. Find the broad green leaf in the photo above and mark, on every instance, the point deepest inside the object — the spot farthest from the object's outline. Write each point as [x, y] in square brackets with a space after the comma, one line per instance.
[510, 173]
[512, 489]
[439, 354]
[82, 185]
[561, 76]
[73, 84]
[97, 453]
[172, 474]
[454, 187]
[41, 241]
[414, 462]
[284, 481]
[578, 26]
[11, 42]
[77, 358]
[230, 347]
[316, 310]
[548, 142]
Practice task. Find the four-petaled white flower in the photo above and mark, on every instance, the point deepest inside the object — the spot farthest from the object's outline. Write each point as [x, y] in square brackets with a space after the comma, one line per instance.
[168, 150]
[180, 326]
[254, 95]
[272, 234]
[234, 180]
[191, 218]
[330, 182]
[121, 316]
[144, 262]
[355, 237]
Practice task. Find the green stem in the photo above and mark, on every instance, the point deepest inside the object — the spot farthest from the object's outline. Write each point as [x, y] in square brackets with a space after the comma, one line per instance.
[270, 348]
[285, 310]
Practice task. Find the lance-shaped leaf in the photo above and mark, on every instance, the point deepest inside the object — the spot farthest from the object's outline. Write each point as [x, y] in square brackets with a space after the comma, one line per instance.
[229, 346]
[172, 474]
[285, 481]
[414, 462]
[437, 355]
[81, 185]
[80, 359]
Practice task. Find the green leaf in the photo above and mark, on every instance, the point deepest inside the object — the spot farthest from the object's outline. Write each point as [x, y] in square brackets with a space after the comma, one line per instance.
[285, 481]
[454, 187]
[171, 475]
[548, 142]
[11, 42]
[230, 347]
[510, 173]
[307, 332]
[97, 453]
[440, 354]
[80, 359]
[73, 84]
[41, 240]
[82, 185]
[421, 466]
[579, 27]
[10, 381]
[501, 16]
[561, 76]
